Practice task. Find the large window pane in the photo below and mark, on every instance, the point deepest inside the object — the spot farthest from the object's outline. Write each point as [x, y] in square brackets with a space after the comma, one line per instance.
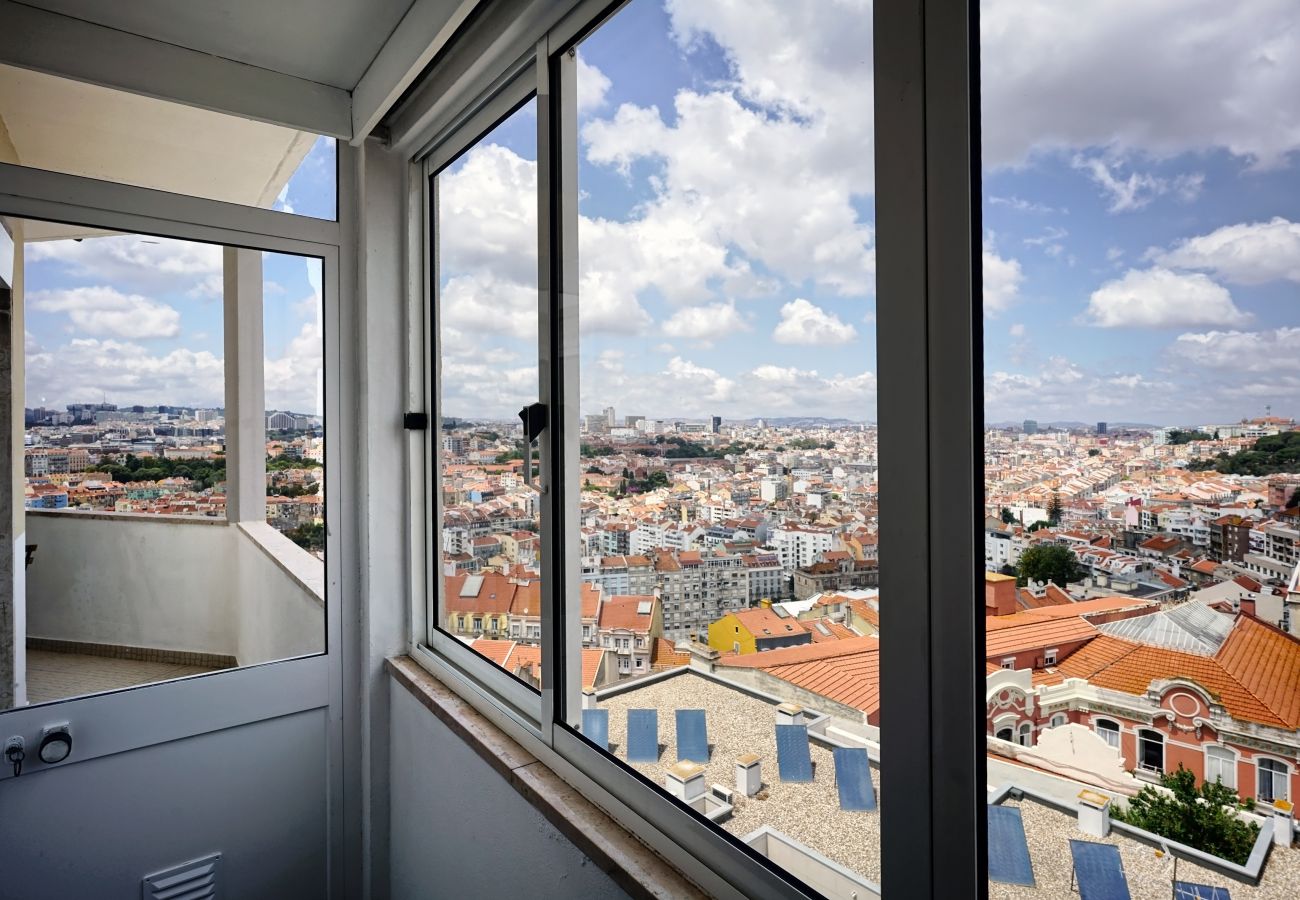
[485, 224]
[1142, 455]
[725, 297]
[173, 399]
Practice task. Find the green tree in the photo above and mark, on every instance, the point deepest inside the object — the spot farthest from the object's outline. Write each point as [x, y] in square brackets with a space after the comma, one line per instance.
[309, 537]
[1049, 562]
[1093, 451]
[1295, 499]
[1008, 517]
[1201, 817]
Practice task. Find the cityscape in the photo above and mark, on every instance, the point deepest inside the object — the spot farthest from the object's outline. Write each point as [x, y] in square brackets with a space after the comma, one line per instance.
[170, 461]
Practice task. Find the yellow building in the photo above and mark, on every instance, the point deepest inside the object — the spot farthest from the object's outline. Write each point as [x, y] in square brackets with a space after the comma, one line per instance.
[754, 630]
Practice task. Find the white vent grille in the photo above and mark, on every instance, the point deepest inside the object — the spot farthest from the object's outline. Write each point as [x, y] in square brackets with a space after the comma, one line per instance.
[195, 880]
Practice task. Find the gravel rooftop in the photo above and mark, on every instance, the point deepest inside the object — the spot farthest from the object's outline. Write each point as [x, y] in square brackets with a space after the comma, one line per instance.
[738, 724]
[1048, 832]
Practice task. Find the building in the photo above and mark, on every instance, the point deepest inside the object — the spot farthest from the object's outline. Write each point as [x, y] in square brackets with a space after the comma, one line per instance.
[1030, 427]
[1101, 427]
[756, 630]
[1230, 538]
[610, 419]
[628, 626]
[839, 574]
[716, 422]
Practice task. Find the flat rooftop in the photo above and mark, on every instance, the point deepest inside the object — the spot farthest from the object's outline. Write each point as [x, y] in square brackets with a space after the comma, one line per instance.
[739, 723]
[56, 676]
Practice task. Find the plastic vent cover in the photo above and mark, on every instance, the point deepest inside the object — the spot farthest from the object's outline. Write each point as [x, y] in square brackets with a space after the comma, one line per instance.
[197, 879]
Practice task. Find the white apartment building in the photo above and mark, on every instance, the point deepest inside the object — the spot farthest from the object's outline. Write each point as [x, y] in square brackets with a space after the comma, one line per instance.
[799, 545]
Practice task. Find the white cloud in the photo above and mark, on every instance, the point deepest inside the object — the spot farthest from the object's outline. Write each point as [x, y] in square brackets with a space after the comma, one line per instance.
[805, 323]
[1139, 188]
[1061, 387]
[593, 84]
[705, 323]
[1002, 279]
[1159, 298]
[1017, 330]
[1019, 204]
[1161, 77]
[1248, 253]
[105, 311]
[484, 304]
[1241, 351]
[86, 369]
[137, 264]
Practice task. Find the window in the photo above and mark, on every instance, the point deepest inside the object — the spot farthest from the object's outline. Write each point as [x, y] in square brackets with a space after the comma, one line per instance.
[1109, 730]
[173, 448]
[1026, 734]
[1059, 719]
[1005, 734]
[1009, 662]
[1272, 781]
[1151, 751]
[1221, 765]
[1049, 658]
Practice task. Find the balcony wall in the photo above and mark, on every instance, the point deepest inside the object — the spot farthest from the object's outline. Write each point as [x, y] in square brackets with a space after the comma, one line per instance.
[173, 583]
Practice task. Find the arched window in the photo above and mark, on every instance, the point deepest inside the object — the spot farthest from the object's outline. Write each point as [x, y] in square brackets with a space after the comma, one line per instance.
[1026, 734]
[1221, 763]
[1151, 751]
[1108, 730]
[1058, 719]
[1005, 734]
[1272, 781]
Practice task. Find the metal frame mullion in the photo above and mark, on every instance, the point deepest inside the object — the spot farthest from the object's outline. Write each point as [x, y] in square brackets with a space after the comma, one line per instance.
[927, 221]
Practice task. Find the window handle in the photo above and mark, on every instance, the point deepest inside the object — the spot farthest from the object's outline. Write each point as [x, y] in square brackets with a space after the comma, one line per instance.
[534, 420]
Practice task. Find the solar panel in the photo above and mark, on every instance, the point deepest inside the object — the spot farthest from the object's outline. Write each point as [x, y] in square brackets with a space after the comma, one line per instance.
[643, 735]
[853, 779]
[1009, 861]
[792, 757]
[1187, 890]
[1099, 871]
[595, 727]
[692, 737]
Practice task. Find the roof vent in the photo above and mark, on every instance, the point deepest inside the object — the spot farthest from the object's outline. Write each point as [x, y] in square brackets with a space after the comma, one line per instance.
[195, 880]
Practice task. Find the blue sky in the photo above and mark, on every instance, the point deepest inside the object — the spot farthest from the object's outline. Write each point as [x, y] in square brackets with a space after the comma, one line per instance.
[1140, 192]
[138, 319]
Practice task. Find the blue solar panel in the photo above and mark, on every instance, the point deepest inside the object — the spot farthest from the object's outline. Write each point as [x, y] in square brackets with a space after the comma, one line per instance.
[1099, 871]
[853, 778]
[595, 727]
[643, 735]
[792, 757]
[1008, 853]
[692, 738]
[1188, 890]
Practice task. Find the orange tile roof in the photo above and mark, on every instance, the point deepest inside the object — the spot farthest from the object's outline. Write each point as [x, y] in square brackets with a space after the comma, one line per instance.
[1255, 674]
[514, 657]
[664, 655]
[528, 600]
[495, 594]
[591, 596]
[1032, 632]
[846, 671]
[764, 623]
[862, 609]
[621, 612]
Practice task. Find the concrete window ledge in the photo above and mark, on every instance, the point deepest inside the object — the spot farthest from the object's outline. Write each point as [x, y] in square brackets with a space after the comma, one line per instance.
[633, 866]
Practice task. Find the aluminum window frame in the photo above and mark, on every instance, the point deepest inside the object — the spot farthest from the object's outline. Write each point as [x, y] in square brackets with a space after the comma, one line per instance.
[928, 276]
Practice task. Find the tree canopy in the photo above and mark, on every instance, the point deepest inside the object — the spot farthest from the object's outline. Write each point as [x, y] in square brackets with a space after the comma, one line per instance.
[1271, 454]
[1049, 562]
[1198, 817]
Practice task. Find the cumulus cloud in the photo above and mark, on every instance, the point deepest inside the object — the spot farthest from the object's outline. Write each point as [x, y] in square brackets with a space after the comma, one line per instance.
[107, 311]
[134, 263]
[87, 368]
[1061, 385]
[1157, 78]
[705, 323]
[1247, 253]
[806, 323]
[1002, 279]
[1159, 298]
[1241, 351]
[593, 84]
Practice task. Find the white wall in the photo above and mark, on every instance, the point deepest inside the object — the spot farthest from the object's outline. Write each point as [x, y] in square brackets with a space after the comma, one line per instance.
[459, 830]
[175, 584]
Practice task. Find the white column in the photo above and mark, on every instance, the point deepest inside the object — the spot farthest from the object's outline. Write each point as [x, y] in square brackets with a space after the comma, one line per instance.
[245, 387]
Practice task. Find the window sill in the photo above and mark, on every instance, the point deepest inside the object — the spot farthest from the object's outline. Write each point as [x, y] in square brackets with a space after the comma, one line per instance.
[633, 866]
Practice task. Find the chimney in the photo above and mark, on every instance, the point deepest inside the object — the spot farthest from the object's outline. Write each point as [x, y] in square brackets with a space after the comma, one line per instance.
[749, 774]
[1094, 813]
[789, 714]
[685, 781]
[999, 594]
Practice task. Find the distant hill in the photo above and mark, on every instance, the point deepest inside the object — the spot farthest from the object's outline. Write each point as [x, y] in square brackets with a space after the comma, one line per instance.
[1271, 455]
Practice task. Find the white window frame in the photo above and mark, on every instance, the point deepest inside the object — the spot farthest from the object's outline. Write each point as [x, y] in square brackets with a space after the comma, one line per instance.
[930, 407]
[1025, 734]
[1282, 774]
[1106, 733]
[1049, 657]
[1058, 720]
[1219, 757]
[1009, 663]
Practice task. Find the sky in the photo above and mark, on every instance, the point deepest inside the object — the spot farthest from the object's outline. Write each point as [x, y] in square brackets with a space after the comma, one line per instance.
[137, 319]
[1142, 251]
